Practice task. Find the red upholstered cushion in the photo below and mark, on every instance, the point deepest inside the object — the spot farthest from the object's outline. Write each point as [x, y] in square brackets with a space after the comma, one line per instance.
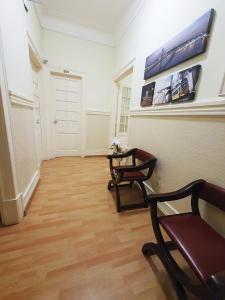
[129, 175]
[213, 194]
[200, 244]
[132, 175]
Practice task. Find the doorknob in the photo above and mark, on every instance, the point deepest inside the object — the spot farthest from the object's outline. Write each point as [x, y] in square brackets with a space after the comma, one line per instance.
[37, 122]
[55, 122]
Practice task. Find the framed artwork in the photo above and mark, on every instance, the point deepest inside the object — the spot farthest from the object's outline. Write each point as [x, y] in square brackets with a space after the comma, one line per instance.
[147, 94]
[184, 83]
[190, 42]
[162, 94]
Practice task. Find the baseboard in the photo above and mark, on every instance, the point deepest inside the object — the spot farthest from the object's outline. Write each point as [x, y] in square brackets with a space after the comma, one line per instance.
[96, 152]
[12, 210]
[164, 207]
[30, 188]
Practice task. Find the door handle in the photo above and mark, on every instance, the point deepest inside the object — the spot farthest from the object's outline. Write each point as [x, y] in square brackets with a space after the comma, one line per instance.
[55, 122]
[37, 122]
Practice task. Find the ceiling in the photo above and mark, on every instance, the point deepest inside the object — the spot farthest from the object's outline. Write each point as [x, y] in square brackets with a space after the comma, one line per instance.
[101, 15]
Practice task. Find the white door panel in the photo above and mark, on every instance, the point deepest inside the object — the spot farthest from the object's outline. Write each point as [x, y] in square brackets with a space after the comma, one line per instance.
[37, 115]
[67, 123]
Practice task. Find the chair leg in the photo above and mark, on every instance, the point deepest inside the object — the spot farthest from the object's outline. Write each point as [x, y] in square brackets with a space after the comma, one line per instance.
[144, 193]
[118, 203]
[180, 291]
[153, 248]
[110, 185]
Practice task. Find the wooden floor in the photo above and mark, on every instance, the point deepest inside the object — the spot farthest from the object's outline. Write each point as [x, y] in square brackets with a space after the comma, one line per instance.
[73, 244]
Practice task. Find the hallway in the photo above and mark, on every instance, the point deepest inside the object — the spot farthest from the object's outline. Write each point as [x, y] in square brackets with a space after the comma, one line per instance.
[73, 245]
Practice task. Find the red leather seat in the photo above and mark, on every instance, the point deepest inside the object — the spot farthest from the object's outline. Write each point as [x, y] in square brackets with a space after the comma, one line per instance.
[130, 175]
[202, 246]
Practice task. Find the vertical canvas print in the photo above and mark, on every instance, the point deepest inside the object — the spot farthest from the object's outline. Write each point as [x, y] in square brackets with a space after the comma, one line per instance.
[184, 84]
[147, 94]
[190, 42]
[162, 94]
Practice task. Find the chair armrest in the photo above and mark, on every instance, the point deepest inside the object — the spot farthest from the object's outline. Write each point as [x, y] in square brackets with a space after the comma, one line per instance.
[122, 155]
[179, 194]
[140, 167]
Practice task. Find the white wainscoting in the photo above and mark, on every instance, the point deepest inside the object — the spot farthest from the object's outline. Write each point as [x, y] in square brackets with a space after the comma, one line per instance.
[27, 169]
[164, 207]
[97, 132]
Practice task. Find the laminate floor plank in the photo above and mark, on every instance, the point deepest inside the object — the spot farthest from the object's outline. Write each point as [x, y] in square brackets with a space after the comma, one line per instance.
[72, 245]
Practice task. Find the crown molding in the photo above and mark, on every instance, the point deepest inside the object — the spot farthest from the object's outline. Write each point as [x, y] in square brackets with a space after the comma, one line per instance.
[87, 33]
[129, 18]
[75, 30]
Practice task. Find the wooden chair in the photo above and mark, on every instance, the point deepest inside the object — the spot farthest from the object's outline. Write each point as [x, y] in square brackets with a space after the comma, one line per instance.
[131, 173]
[201, 246]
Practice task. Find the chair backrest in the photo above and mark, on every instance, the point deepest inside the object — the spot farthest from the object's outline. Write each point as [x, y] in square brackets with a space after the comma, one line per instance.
[213, 194]
[142, 155]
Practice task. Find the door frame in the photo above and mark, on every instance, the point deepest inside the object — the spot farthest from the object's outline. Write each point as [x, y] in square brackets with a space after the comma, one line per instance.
[123, 73]
[61, 72]
[36, 61]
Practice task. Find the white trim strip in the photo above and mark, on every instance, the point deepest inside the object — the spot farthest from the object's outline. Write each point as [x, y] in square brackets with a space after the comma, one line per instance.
[30, 188]
[98, 112]
[18, 99]
[211, 108]
[76, 30]
[165, 207]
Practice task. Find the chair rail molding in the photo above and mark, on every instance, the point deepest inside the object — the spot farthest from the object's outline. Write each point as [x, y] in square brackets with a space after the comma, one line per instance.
[21, 100]
[98, 112]
[209, 108]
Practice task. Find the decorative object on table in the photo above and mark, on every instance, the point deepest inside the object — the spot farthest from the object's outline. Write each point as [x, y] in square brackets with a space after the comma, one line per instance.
[162, 94]
[188, 43]
[132, 173]
[222, 89]
[184, 83]
[115, 146]
[201, 245]
[147, 94]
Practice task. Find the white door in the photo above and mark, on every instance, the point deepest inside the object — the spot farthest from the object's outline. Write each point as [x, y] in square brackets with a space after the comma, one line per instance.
[37, 115]
[67, 120]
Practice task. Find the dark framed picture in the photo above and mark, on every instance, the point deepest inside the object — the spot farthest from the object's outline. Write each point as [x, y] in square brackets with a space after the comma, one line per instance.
[190, 42]
[147, 94]
[162, 93]
[184, 84]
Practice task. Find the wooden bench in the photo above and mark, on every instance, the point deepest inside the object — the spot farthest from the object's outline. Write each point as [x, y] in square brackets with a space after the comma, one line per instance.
[130, 173]
[201, 246]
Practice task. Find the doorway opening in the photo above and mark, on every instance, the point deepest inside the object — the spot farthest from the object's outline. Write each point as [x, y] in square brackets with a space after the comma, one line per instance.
[124, 86]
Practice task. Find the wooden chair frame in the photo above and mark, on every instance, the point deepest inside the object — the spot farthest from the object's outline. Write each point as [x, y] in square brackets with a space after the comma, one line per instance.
[215, 287]
[117, 178]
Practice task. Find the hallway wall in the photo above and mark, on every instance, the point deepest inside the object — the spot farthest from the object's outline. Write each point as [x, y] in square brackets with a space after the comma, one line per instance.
[95, 62]
[15, 24]
[188, 146]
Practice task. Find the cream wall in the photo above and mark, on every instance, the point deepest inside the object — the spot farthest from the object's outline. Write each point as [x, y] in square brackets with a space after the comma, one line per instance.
[89, 58]
[187, 147]
[94, 62]
[15, 24]
[97, 128]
